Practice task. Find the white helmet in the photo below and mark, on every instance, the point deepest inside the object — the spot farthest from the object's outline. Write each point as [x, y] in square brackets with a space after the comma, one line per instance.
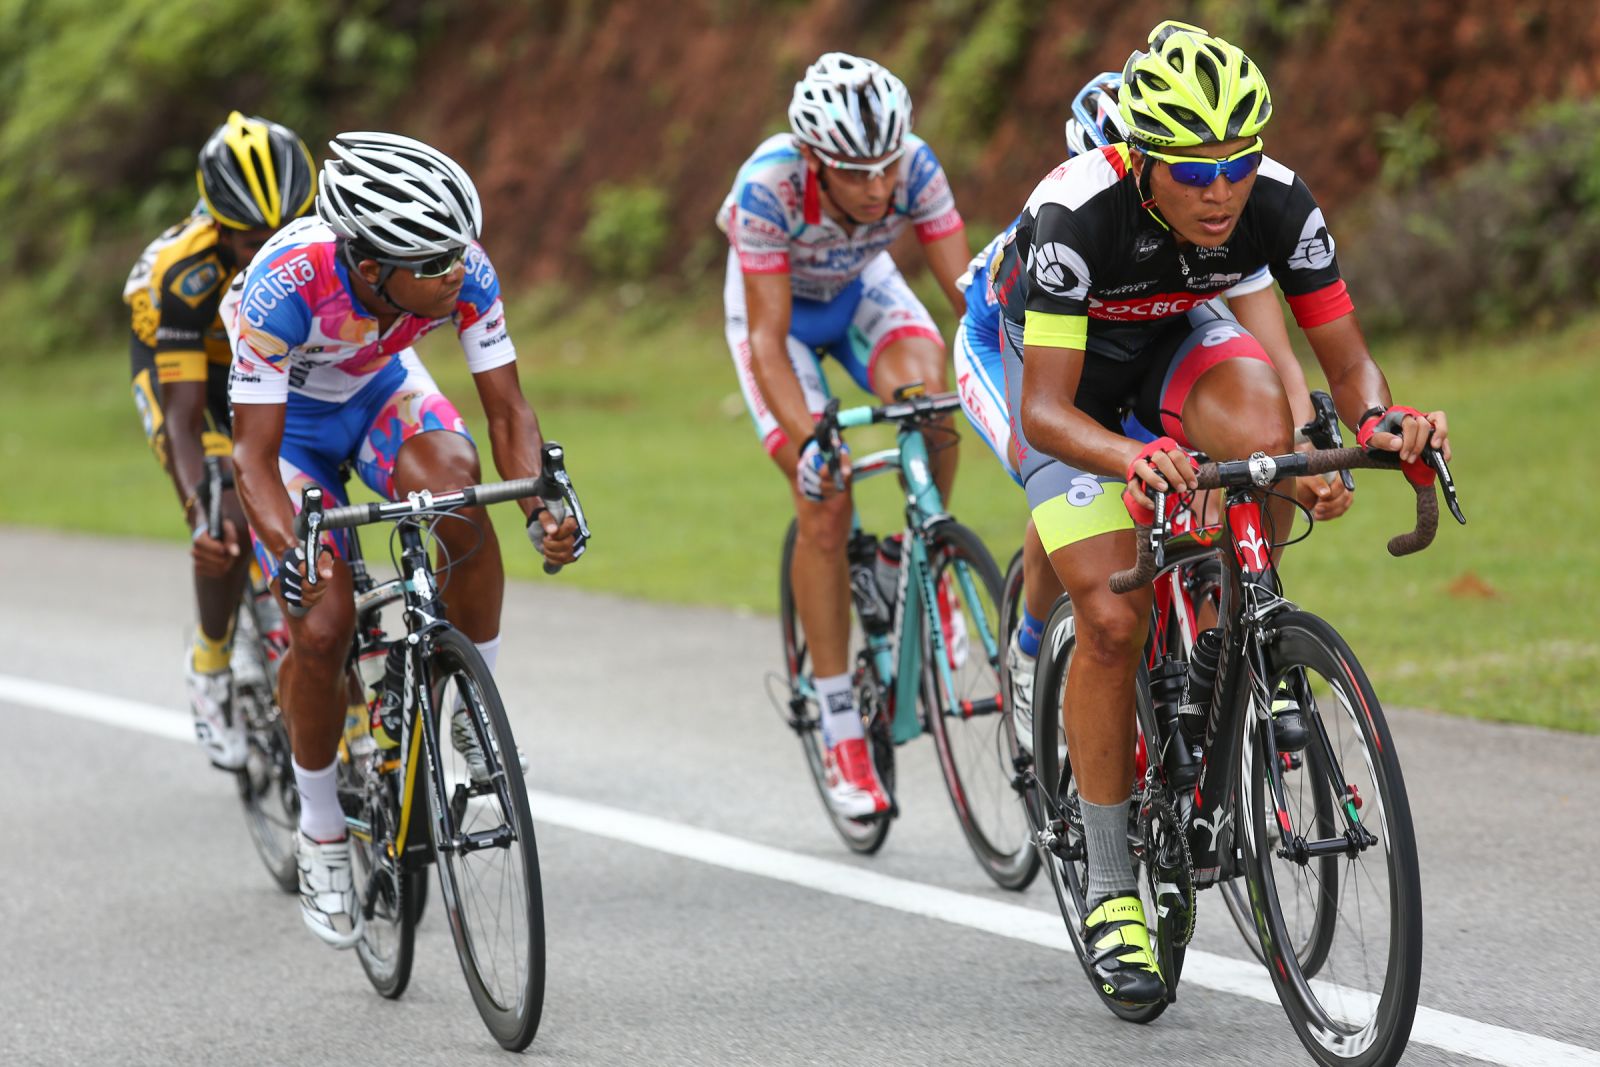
[1095, 121]
[396, 197]
[851, 107]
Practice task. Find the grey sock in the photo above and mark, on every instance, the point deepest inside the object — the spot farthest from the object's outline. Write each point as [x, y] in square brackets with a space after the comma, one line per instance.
[1105, 831]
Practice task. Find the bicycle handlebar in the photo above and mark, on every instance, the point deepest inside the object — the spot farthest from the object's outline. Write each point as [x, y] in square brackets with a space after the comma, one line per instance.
[553, 486]
[1261, 470]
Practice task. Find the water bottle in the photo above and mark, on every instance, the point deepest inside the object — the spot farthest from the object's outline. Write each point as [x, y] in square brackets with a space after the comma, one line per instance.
[887, 568]
[387, 710]
[875, 612]
[1203, 658]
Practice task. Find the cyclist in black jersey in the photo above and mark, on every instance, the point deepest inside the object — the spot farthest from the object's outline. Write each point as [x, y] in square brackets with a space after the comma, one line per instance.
[1108, 290]
[254, 176]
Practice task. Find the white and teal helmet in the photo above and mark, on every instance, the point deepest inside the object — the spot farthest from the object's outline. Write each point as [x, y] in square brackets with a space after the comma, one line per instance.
[850, 107]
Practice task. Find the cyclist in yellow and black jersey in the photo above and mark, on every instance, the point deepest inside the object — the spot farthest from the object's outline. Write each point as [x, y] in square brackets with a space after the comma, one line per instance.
[254, 176]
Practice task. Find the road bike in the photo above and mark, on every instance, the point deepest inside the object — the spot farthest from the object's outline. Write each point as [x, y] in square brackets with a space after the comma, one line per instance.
[407, 783]
[1319, 830]
[924, 654]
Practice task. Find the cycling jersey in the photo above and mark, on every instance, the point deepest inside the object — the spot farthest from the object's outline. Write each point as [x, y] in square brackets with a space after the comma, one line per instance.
[1089, 268]
[297, 327]
[774, 219]
[174, 292]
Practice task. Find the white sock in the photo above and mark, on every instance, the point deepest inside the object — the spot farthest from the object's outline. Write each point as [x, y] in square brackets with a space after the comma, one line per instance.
[321, 818]
[836, 703]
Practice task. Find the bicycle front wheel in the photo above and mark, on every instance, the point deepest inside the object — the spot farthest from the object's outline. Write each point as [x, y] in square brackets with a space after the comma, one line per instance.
[1360, 1008]
[970, 720]
[266, 781]
[865, 836]
[489, 869]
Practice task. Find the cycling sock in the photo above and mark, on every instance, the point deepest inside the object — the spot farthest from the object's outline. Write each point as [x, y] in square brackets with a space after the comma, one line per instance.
[840, 720]
[321, 818]
[1030, 633]
[1105, 832]
[490, 651]
[211, 655]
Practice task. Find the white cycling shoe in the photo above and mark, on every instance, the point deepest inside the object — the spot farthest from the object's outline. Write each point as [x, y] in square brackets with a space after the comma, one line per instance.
[465, 740]
[1021, 667]
[328, 901]
[211, 700]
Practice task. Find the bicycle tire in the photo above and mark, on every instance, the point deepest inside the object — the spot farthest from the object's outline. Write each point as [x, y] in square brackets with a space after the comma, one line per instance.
[266, 781]
[1344, 709]
[1065, 856]
[863, 836]
[383, 885]
[510, 1004]
[978, 753]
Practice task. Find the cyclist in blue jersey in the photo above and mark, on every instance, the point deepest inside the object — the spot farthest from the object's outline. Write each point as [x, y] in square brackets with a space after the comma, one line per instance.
[1093, 124]
[810, 219]
[1106, 288]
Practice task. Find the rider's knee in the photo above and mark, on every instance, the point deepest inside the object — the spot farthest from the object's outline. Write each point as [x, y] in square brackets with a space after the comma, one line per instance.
[825, 526]
[439, 460]
[1240, 408]
[1109, 630]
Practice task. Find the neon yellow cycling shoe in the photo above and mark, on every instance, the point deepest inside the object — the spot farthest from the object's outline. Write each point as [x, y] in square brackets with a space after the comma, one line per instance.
[1118, 940]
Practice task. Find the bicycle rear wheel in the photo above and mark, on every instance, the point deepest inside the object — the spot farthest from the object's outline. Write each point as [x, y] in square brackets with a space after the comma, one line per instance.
[971, 725]
[266, 781]
[865, 836]
[1360, 1008]
[489, 873]
[1056, 815]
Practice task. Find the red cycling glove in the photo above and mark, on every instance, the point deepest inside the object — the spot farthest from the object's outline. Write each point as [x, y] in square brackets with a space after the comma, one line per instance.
[1417, 472]
[1143, 514]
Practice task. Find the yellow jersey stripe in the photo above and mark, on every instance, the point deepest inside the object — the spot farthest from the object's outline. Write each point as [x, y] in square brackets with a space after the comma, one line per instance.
[1055, 331]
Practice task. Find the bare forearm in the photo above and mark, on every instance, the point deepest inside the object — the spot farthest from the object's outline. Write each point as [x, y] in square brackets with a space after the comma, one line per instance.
[258, 433]
[183, 406]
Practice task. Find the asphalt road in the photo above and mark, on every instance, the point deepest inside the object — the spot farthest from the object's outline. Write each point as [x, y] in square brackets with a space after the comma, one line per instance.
[699, 909]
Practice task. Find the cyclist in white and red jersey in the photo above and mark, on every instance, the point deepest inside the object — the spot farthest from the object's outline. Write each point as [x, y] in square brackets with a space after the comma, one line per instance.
[987, 398]
[322, 325]
[1106, 290]
[810, 219]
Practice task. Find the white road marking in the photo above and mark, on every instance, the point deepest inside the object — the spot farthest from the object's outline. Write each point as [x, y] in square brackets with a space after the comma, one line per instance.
[1449, 1033]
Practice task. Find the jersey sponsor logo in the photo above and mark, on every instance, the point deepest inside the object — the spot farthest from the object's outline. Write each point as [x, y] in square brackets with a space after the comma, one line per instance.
[479, 269]
[923, 170]
[1085, 488]
[1216, 281]
[267, 289]
[1060, 271]
[173, 335]
[1159, 306]
[1146, 245]
[196, 283]
[759, 202]
[1314, 250]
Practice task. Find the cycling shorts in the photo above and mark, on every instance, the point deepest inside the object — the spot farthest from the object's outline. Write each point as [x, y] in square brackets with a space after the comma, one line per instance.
[981, 382]
[214, 431]
[1071, 505]
[367, 430]
[874, 311]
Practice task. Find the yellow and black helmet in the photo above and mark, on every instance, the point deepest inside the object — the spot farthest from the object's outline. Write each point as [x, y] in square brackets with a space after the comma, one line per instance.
[1191, 88]
[255, 174]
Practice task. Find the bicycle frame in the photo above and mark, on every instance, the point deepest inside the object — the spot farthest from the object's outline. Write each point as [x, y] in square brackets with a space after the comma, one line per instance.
[898, 662]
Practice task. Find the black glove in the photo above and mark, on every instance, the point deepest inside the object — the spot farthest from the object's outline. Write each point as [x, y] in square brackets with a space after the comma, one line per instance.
[292, 577]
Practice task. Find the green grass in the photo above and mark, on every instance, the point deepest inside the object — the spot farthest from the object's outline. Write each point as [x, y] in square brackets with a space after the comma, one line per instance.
[1500, 619]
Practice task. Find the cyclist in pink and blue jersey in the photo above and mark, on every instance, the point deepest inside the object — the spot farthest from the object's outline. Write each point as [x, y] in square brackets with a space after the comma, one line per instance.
[810, 219]
[321, 326]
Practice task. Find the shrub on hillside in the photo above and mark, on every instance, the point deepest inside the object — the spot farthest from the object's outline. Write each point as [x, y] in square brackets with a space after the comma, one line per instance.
[627, 230]
[1512, 240]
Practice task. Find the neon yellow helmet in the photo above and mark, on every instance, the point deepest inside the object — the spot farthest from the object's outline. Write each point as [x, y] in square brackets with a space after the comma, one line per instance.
[1191, 88]
[255, 174]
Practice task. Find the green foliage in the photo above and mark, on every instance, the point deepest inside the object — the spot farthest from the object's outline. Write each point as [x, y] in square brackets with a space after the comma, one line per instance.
[974, 81]
[107, 104]
[1407, 145]
[1513, 240]
[1262, 24]
[627, 231]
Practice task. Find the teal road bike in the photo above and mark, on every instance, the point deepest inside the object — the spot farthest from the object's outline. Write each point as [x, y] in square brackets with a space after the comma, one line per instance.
[924, 651]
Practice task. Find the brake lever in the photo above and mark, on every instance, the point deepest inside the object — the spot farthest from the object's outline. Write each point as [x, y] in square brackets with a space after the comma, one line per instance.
[1435, 459]
[1158, 530]
[1323, 431]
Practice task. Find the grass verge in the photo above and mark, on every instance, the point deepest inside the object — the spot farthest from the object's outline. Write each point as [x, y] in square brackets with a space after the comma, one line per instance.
[1499, 620]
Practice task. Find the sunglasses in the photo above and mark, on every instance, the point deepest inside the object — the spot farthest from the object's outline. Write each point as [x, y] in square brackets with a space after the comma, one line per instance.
[861, 172]
[1187, 170]
[433, 267]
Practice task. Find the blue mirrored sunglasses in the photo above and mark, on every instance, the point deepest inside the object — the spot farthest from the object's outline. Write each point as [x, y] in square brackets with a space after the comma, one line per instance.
[1187, 170]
